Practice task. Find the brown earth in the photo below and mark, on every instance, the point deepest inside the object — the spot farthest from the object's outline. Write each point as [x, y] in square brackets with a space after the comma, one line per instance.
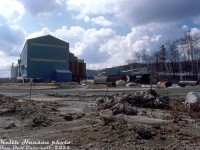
[135, 120]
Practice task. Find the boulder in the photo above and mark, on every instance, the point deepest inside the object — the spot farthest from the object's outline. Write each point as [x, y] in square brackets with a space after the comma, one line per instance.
[40, 120]
[192, 101]
[120, 83]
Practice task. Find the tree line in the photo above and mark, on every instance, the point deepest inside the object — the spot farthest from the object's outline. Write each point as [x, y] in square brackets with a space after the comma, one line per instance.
[179, 57]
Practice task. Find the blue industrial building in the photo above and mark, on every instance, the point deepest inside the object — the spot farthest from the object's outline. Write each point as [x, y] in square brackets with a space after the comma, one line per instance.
[47, 58]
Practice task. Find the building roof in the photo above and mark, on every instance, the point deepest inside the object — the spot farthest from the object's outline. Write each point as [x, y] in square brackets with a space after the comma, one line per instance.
[47, 36]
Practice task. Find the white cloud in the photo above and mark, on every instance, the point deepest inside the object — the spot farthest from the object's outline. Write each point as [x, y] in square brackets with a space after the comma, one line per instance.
[137, 12]
[152, 23]
[5, 65]
[11, 39]
[44, 31]
[42, 7]
[93, 40]
[104, 48]
[70, 33]
[78, 48]
[88, 7]
[155, 38]
[64, 33]
[11, 10]
[185, 28]
[195, 32]
[142, 12]
[101, 21]
[86, 18]
[120, 48]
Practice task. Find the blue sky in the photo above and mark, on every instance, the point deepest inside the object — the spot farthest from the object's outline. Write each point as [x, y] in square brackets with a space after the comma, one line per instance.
[104, 33]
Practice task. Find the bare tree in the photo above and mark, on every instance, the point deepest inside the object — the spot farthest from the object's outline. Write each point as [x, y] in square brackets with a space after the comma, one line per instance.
[138, 56]
[173, 55]
[192, 44]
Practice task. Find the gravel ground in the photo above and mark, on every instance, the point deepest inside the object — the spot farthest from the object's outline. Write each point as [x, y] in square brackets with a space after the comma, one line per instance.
[79, 119]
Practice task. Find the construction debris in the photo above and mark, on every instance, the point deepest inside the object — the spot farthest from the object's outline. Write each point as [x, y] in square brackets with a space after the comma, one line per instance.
[40, 120]
[72, 116]
[127, 103]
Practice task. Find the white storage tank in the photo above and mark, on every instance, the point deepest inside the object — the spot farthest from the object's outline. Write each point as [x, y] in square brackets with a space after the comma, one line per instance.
[14, 71]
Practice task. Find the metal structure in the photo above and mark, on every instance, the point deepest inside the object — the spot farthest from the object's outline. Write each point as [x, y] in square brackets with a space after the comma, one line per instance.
[14, 71]
[190, 83]
[48, 58]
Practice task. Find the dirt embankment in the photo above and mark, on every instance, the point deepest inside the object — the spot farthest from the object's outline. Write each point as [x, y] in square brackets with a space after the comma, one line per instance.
[136, 120]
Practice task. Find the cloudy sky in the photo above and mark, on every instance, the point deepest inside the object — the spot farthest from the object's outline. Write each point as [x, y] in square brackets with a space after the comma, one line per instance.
[104, 33]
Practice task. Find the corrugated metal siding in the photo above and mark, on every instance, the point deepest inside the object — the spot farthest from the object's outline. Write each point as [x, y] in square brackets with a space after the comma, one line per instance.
[45, 55]
[63, 76]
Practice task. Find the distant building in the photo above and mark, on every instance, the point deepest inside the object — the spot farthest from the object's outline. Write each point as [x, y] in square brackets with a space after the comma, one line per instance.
[115, 71]
[120, 71]
[143, 70]
[91, 73]
[126, 72]
[48, 58]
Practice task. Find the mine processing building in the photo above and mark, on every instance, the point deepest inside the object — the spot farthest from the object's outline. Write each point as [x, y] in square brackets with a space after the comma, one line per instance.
[48, 58]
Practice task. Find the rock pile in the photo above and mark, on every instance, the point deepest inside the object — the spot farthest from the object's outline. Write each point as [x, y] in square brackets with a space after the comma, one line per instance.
[71, 116]
[36, 114]
[127, 103]
[7, 105]
[40, 120]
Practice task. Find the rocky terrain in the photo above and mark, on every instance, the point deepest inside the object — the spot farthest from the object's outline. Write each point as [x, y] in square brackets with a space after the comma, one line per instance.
[132, 120]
